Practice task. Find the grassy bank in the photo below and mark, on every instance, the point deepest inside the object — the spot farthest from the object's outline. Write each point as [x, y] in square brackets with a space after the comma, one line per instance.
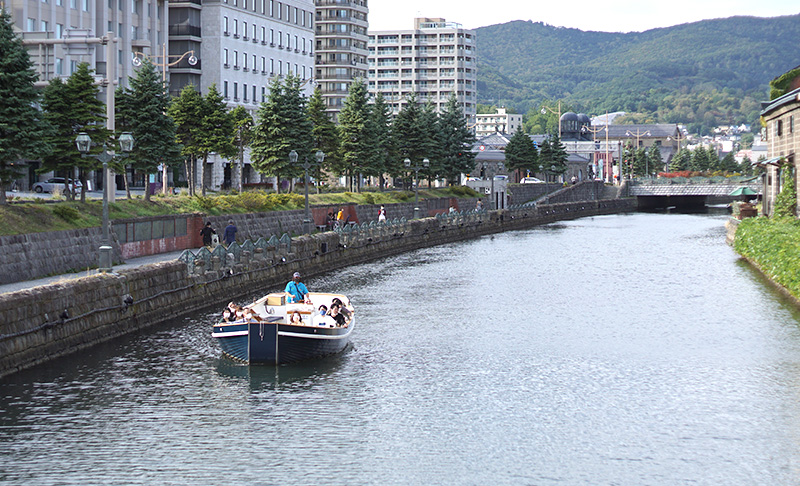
[36, 216]
[773, 245]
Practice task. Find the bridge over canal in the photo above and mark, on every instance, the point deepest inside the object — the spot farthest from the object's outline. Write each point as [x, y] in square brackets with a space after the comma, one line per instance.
[687, 193]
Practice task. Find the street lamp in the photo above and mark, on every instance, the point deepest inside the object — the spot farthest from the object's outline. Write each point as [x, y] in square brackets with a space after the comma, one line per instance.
[545, 109]
[137, 61]
[84, 144]
[320, 156]
[492, 169]
[638, 134]
[416, 168]
[594, 131]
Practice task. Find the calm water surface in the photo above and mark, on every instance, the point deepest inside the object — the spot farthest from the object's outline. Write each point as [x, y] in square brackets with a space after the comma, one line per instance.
[632, 349]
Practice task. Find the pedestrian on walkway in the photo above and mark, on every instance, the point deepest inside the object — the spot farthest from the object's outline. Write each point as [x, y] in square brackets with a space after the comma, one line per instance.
[206, 233]
[230, 233]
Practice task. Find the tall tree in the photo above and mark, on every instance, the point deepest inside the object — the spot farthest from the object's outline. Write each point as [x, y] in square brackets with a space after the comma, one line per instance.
[457, 141]
[680, 161]
[656, 164]
[355, 141]
[558, 155]
[282, 126]
[521, 154]
[145, 103]
[22, 127]
[324, 133]
[187, 110]
[409, 136]
[380, 119]
[242, 135]
[71, 108]
[432, 142]
[217, 127]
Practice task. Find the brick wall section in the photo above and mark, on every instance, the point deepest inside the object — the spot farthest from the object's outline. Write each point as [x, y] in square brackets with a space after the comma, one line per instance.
[34, 327]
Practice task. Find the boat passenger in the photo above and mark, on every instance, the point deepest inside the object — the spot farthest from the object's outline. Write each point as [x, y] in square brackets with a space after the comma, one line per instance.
[296, 319]
[323, 310]
[230, 312]
[342, 309]
[338, 316]
[297, 290]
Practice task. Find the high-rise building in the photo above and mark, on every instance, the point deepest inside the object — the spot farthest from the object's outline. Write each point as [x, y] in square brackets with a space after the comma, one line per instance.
[341, 45]
[434, 60]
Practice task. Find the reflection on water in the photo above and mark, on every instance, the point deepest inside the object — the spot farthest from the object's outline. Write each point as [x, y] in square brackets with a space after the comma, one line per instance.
[631, 349]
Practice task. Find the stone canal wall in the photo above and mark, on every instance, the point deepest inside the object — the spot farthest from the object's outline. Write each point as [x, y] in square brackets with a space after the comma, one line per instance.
[46, 322]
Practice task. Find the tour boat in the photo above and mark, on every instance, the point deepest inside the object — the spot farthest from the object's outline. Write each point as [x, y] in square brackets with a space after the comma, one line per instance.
[261, 333]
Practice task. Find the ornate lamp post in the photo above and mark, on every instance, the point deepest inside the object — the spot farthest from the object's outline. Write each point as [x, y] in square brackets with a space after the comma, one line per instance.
[638, 134]
[320, 156]
[84, 144]
[545, 109]
[595, 131]
[416, 168]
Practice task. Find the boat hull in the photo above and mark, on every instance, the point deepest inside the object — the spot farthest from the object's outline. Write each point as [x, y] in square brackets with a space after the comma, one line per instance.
[276, 343]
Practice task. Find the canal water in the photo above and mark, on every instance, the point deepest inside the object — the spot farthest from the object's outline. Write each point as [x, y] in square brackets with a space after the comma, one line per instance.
[626, 349]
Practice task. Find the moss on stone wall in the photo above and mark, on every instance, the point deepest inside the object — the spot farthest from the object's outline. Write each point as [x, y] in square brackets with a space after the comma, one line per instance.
[774, 246]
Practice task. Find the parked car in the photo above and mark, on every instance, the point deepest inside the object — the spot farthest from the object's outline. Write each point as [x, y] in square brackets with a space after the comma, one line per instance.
[531, 180]
[55, 182]
[501, 177]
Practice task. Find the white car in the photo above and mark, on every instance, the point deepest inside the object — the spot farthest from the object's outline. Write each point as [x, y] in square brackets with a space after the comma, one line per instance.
[531, 180]
[53, 182]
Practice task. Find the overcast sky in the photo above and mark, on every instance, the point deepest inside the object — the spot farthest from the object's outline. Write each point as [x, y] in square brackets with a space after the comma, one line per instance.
[598, 15]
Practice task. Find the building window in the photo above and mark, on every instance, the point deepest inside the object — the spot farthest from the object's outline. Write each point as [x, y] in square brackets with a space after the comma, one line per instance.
[235, 63]
[225, 89]
[244, 92]
[59, 66]
[85, 5]
[31, 25]
[225, 57]
[791, 124]
[254, 93]
[225, 25]
[59, 31]
[263, 94]
[235, 91]
[778, 128]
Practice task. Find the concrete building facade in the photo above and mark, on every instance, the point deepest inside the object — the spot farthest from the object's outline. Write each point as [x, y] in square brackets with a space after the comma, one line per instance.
[434, 60]
[499, 122]
[341, 49]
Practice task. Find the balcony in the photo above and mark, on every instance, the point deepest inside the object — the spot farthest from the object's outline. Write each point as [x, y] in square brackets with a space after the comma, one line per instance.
[179, 29]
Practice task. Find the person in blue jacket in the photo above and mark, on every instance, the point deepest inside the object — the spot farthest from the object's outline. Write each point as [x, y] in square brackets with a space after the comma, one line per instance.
[297, 290]
[230, 233]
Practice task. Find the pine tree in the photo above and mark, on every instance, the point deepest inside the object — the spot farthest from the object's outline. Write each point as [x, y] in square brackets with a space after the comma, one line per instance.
[409, 136]
[144, 104]
[545, 159]
[283, 125]
[243, 134]
[432, 143]
[22, 126]
[457, 141]
[559, 155]
[217, 131]
[521, 154]
[324, 134]
[680, 161]
[656, 164]
[380, 123]
[71, 108]
[354, 138]
[187, 111]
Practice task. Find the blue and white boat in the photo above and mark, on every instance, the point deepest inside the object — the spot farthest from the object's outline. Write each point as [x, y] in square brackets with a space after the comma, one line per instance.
[261, 333]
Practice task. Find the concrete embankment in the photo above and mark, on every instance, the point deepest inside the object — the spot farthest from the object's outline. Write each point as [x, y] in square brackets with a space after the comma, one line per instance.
[46, 322]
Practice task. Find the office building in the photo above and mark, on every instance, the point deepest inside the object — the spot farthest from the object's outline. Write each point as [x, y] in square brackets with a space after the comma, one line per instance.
[498, 122]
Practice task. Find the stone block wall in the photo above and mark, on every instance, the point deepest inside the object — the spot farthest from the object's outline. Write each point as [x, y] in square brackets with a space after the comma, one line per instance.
[34, 255]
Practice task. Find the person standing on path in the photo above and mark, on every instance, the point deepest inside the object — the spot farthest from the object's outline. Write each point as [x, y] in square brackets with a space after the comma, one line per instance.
[206, 232]
[230, 233]
[382, 214]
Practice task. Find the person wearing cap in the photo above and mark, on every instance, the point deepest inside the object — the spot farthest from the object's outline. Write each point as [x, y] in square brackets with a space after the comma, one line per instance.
[230, 233]
[297, 290]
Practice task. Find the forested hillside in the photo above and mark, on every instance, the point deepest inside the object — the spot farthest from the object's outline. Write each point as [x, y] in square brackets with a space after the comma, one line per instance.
[703, 73]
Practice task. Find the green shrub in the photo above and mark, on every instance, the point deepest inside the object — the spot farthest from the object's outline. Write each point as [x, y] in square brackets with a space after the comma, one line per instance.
[369, 199]
[773, 245]
[66, 213]
[786, 202]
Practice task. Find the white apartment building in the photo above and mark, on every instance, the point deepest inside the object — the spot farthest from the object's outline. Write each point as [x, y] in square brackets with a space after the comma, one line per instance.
[341, 45]
[498, 122]
[434, 60]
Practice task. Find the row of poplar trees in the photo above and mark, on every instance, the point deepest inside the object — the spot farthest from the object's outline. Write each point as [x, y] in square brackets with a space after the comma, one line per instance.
[367, 141]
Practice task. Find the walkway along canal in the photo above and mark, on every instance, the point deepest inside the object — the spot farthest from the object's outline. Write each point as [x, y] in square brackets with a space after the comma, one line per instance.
[46, 322]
